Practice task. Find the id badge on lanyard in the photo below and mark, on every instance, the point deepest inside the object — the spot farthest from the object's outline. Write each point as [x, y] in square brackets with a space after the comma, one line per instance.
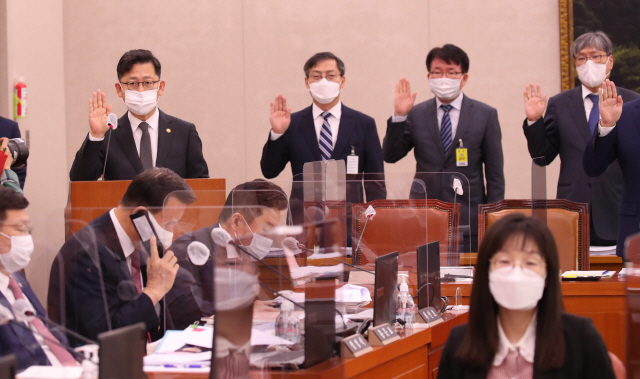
[352, 161]
[462, 158]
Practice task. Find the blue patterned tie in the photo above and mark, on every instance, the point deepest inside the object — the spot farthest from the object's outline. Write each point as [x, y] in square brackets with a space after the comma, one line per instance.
[445, 128]
[326, 142]
[594, 115]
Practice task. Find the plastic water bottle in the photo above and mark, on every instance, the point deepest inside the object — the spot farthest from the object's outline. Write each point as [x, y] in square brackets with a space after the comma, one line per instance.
[288, 323]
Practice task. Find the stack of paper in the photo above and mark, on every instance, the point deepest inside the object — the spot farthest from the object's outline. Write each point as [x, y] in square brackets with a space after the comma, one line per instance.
[602, 250]
[600, 273]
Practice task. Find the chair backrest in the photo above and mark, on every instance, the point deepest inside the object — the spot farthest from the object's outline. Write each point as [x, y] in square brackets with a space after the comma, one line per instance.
[568, 221]
[403, 225]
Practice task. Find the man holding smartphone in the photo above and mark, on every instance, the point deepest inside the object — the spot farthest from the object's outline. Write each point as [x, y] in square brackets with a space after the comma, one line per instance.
[103, 279]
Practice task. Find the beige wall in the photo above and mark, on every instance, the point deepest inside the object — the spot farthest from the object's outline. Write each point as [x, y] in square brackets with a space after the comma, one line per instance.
[224, 61]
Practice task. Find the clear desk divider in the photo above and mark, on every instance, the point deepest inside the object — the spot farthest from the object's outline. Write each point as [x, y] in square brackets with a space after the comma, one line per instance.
[539, 188]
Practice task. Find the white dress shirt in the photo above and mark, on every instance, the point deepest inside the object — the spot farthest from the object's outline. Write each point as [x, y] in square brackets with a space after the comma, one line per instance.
[454, 114]
[153, 122]
[334, 121]
[125, 242]
[8, 294]
[526, 347]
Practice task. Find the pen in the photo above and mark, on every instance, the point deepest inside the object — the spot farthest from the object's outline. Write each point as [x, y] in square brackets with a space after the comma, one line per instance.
[605, 273]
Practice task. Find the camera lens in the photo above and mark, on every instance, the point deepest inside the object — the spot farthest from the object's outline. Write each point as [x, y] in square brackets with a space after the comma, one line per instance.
[19, 151]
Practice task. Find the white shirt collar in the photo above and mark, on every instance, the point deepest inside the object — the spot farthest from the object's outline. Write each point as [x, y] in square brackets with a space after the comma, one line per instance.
[125, 242]
[4, 283]
[152, 121]
[336, 111]
[526, 347]
[456, 103]
[586, 92]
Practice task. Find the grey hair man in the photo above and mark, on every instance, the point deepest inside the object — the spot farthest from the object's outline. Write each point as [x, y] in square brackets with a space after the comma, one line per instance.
[564, 129]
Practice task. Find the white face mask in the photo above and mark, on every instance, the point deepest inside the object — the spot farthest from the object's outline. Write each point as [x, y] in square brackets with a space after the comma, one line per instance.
[19, 255]
[260, 244]
[165, 236]
[141, 103]
[592, 74]
[324, 91]
[445, 88]
[516, 288]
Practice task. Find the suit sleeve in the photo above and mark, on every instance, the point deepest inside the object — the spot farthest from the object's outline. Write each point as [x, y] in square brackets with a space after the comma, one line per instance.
[196, 165]
[398, 141]
[374, 185]
[596, 357]
[543, 139]
[89, 161]
[600, 152]
[493, 159]
[275, 156]
[21, 172]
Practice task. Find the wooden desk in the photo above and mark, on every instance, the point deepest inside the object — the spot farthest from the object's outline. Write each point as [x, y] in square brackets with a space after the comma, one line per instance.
[416, 355]
[603, 302]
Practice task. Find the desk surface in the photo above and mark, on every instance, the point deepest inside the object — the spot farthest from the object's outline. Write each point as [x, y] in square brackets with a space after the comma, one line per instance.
[416, 354]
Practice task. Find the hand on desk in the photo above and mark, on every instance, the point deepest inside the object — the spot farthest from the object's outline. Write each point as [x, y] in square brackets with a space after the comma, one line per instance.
[161, 273]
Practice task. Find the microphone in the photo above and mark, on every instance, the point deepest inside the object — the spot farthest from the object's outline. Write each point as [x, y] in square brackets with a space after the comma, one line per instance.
[198, 253]
[221, 237]
[293, 244]
[456, 185]
[112, 123]
[369, 213]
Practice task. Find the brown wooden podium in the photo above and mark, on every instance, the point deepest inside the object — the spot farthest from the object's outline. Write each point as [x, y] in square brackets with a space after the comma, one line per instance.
[88, 200]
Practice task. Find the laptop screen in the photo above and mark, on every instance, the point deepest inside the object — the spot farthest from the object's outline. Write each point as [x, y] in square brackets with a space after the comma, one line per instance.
[429, 275]
[122, 351]
[385, 291]
[320, 330]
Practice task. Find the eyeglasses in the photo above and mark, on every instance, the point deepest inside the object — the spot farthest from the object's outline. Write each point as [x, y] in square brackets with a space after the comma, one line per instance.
[598, 58]
[149, 84]
[22, 228]
[450, 74]
[318, 77]
[533, 262]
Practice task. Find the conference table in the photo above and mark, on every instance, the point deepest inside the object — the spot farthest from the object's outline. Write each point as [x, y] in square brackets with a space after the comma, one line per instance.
[415, 355]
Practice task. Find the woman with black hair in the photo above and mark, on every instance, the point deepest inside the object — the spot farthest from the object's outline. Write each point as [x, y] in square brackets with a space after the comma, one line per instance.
[517, 326]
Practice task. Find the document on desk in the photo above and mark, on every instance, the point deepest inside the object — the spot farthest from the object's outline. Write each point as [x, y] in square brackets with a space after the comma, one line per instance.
[51, 372]
[600, 273]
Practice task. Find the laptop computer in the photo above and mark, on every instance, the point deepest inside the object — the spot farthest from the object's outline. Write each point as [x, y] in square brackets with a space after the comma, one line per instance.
[429, 275]
[385, 290]
[122, 351]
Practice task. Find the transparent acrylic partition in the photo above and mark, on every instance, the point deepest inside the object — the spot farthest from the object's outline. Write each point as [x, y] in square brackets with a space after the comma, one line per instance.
[539, 188]
[632, 266]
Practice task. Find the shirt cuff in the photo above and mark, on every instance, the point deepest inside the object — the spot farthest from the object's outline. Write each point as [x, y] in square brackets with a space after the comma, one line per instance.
[92, 138]
[604, 131]
[529, 123]
[395, 118]
[274, 136]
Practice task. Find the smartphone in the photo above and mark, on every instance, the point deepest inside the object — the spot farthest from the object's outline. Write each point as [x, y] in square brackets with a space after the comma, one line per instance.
[145, 231]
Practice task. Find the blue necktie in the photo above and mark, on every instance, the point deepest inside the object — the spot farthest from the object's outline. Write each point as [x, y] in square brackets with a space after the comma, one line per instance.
[594, 116]
[445, 128]
[326, 142]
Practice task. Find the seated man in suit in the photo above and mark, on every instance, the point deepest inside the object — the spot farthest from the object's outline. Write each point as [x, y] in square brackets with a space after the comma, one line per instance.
[33, 342]
[251, 209]
[102, 278]
[10, 129]
[442, 127]
[325, 130]
[145, 136]
[570, 120]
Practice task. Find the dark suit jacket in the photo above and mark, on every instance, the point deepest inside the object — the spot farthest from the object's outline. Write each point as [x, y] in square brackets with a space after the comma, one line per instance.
[10, 129]
[479, 129]
[621, 144]
[565, 131]
[91, 286]
[299, 145]
[21, 342]
[179, 149]
[586, 354]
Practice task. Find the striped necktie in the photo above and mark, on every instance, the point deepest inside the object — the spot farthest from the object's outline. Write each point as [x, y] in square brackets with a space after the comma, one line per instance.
[445, 128]
[326, 140]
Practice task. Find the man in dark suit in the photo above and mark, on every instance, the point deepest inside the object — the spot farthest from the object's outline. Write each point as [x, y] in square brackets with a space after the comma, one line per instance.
[145, 136]
[34, 342]
[567, 125]
[102, 278]
[452, 134]
[10, 129]
[617, 138]
[325, 130]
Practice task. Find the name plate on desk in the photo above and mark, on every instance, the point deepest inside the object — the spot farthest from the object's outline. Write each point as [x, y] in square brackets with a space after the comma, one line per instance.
[383, 335]
[430, 316]
[354, 346]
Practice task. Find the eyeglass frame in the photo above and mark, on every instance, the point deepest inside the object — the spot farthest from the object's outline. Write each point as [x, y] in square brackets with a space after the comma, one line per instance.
[153, 84]
[591, 58]
[324, 76]
[448, 75]
[15, 226]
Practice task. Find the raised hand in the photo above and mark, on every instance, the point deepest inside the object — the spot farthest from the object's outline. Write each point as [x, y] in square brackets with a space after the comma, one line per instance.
[534, 102]
[404, 99]
[98, 113]
[610, 104]
[280, 116]
[161, 273]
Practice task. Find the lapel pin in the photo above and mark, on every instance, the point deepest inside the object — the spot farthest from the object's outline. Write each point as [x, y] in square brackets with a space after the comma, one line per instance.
[168, 130]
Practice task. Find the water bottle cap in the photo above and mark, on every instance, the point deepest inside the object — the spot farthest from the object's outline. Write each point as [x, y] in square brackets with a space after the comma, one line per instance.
[286, 305]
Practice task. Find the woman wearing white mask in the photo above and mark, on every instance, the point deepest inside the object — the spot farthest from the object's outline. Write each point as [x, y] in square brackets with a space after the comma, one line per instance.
[517, 327]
